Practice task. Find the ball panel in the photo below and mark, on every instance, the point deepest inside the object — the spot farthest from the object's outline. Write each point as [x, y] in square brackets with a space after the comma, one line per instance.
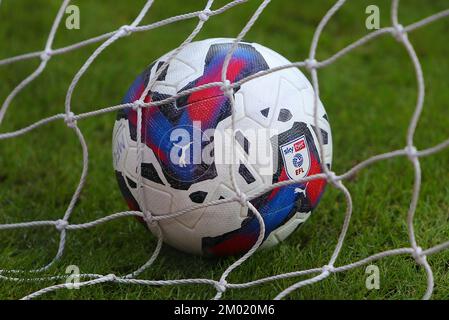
[281, 233]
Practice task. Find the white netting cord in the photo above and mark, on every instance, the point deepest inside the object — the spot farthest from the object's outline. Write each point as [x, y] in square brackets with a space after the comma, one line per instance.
[242, 198]
[311, 64]
[45, 55]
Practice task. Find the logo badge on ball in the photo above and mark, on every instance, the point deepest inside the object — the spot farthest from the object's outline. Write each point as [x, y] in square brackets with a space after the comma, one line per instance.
[296, 158]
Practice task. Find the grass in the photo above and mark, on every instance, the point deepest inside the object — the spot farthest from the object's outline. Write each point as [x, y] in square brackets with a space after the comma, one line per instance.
[369, 95]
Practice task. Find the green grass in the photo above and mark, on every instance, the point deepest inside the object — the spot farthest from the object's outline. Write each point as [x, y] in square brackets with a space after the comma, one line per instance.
[369, 95]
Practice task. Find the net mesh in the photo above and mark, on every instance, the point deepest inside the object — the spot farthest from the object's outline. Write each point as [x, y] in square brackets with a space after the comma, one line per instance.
[314, 275]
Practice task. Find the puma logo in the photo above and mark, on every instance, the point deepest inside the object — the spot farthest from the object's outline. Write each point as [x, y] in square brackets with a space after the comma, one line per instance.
[182, 159]
[301, 191]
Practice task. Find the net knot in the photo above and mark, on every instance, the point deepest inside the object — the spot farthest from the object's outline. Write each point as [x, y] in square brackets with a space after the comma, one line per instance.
[399, 33]
[46, 55]
[70, 120]
[227, 88]
[328, 269]
[221, 286]
[138, 104]
[61, 224]
[111, 277]
[149, 219]
[411, 151]
[242, 198]
[125, 30]
[311, 64]
[419, 256]
[332, 177]
[204, 15]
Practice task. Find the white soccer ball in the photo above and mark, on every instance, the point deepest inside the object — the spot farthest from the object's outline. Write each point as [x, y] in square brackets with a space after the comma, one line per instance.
[188, 148]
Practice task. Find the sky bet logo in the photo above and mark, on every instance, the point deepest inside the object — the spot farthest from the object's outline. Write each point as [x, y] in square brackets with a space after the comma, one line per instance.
[297, 146]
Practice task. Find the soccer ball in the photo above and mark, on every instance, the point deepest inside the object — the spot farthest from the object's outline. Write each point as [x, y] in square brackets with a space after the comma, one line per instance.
[189, 149]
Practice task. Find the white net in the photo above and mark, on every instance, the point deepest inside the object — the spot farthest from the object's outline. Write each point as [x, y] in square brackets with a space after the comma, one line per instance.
[63, 225]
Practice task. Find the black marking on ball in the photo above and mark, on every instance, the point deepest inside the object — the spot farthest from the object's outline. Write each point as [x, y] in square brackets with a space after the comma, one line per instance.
[323, 134]
[132, 203]
[198, 196]
[121, 114]
[149, 172]
[163, 73]
[241, 139]
[265, 112]
[284, 115]
[246, 174]
[131, 183]
[133, 133]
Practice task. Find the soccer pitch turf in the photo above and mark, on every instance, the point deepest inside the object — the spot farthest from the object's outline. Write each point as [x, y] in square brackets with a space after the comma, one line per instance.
[369, 94]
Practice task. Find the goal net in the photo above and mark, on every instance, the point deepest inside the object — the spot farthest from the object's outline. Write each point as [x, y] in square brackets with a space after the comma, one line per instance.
[311, 64]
